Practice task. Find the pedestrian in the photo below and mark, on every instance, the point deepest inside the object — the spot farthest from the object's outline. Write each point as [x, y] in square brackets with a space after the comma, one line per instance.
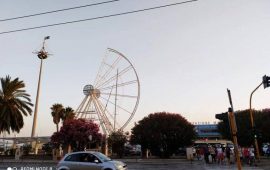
[206, 154]
[198, 154]
[232, 156]
[251, 155]
[240, 153]
[212, 151]
[201, 153]
[246, 155]
[228, 154]
[220, 156]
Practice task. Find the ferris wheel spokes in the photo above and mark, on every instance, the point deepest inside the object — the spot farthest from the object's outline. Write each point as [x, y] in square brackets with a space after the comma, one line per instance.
[118, 106]
[119, 85]
[114, 77]
[108, 71]
[120, 95]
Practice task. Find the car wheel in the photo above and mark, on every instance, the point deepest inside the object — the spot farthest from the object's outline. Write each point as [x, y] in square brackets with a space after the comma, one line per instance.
[107, 169]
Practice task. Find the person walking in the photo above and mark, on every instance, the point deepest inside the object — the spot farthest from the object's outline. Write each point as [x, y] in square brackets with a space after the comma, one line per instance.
[240, 153]
[220, 155]
[246, 155]
[206, 154]
[251, 155]
[212, 151]
[201, 153]
[228, 154]
[198, 154]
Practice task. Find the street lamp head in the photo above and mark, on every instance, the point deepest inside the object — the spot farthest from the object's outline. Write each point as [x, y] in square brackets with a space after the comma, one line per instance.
[42, 54]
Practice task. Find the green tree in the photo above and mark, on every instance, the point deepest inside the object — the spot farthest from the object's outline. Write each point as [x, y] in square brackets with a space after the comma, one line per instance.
[263, 125]
[116, 141]
[245, 133]
[14, 104]
[57, 113]
[68, 114]
[163, 133]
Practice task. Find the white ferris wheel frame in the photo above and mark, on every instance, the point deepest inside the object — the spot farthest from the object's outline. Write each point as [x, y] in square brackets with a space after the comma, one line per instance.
[92, 102]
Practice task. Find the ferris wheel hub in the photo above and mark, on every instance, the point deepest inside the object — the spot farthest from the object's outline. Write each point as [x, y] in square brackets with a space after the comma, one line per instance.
[89, 90]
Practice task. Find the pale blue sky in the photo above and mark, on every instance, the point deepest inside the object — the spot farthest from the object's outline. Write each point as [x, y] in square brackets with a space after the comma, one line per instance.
[186, 56]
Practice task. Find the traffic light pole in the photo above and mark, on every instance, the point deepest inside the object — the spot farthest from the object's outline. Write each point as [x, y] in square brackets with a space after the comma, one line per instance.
[253, 124]
[233, 128]
[234, 132]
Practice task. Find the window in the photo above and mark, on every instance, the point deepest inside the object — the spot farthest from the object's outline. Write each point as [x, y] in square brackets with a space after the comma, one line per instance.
[91, 158]
[102, 157]
[82, 157]
[73, 158]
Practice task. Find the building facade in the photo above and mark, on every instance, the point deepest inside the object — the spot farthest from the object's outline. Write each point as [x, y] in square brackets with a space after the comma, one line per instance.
[207, 131]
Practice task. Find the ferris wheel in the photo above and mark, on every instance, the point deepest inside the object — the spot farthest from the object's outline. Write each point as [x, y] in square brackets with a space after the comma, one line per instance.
[113, 99]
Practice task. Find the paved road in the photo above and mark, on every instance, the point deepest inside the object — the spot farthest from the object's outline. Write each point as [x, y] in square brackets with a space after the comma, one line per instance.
[187, 166]
[139, 165]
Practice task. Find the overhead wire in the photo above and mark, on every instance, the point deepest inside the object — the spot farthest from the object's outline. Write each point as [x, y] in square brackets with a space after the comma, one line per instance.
[59, 10]
[99, 17]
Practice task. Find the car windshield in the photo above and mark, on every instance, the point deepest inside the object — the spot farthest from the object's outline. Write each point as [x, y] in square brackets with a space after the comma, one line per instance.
[102, 157]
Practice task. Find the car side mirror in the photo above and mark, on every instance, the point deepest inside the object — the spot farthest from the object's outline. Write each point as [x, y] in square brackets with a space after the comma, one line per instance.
[96, 161]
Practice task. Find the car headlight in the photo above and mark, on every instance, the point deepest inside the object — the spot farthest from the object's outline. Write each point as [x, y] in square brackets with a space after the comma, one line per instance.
[119, 165]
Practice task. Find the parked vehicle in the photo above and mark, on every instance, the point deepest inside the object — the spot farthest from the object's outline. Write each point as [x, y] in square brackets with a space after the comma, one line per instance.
[181, 151]
[89, 160]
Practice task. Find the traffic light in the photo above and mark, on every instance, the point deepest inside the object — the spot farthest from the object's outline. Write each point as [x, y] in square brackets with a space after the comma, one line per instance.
[266, 81]
[254, 132]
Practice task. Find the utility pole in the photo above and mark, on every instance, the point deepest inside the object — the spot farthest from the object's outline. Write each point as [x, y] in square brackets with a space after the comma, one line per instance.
[233, 128]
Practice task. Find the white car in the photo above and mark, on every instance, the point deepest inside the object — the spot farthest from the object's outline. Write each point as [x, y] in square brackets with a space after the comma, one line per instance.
[90, 161]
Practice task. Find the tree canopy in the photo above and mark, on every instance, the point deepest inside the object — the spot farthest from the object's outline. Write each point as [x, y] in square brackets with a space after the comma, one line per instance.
[116, 141]
[163, 133]
[57, 113]
[68, 114]
[76, 132]
[245, 133]
[14, 104]
[60, 113]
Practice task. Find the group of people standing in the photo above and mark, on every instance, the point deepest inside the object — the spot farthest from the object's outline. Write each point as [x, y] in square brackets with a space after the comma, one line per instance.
[225, 155]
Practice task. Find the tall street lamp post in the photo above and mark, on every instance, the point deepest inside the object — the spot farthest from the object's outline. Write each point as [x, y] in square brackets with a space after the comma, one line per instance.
[42, 55]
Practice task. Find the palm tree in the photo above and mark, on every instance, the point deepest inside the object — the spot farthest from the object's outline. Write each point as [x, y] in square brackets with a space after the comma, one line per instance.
[14, 104]
[57, 114]
[69, 114]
